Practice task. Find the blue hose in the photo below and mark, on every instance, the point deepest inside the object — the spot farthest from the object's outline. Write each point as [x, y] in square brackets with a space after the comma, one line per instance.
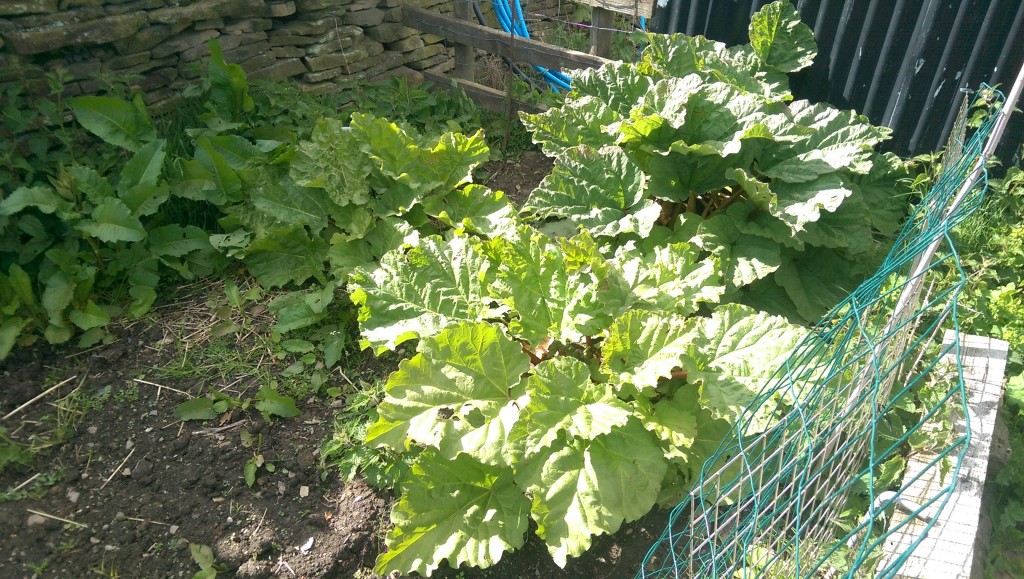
[517, 23]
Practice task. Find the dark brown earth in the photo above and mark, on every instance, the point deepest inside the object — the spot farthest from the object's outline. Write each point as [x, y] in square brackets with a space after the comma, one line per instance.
[130, 487]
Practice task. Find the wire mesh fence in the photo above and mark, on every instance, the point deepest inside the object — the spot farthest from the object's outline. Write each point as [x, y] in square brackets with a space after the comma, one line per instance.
[806, 483]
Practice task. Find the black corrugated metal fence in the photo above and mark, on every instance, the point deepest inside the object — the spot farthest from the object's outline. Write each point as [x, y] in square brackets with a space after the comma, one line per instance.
[900, 62]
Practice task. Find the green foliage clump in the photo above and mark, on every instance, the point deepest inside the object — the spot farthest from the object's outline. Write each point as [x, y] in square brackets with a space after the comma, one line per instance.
[306, 194]
[576, 363]
[991, 247]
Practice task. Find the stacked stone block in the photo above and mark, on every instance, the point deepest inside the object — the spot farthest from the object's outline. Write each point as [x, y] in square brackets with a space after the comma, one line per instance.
[161, 47]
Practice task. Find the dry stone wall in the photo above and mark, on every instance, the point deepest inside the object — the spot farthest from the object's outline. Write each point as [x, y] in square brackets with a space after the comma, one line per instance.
[160, 47]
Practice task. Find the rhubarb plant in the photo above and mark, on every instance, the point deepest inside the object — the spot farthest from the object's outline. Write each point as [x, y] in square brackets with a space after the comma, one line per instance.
[577, 363]
[792, 194]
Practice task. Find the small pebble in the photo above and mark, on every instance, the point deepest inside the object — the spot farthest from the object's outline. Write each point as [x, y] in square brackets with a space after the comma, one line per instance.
[93, 429]
[127, 471]
[35, 520]
[73, 495]
[173, 529]
[129, 445]
[303, 491]
[119, 516]
[94, 540]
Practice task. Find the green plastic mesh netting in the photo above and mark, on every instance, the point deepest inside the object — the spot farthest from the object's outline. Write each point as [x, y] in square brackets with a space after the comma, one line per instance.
[813, 495]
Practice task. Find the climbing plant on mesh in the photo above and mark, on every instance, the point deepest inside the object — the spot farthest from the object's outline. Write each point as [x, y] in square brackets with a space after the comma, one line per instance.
[813, 495]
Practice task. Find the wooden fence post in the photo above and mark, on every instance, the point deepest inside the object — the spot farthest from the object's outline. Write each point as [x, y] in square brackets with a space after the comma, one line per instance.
[464, 56]
[600, 33]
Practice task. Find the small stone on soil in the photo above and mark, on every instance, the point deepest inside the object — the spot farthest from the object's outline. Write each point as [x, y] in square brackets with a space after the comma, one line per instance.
[34, 520]
[73, 495]
[93, 429]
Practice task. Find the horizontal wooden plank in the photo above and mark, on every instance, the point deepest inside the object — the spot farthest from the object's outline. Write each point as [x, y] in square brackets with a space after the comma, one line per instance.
[497, 41]
[485, 97]
[643, 8]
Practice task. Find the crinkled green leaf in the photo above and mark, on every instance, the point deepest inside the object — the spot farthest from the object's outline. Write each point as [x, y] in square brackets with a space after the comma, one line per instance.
[286, 255]
[672, 278]
[534, 280]
[291, 204]
[577, 122]
[885, 199]
[112, 221]
[117, 122]
[643, 347]
[679, 55]
[333, 161]
[617, 84]
[455, 509]
[451, 159]
[42, 197]
[347, 253]
[737, 351]
[457, 394]
[564, 401]
[144, 168]
[823, 140]
[175, 241]
[419, 292]
[780, 39]
[746, 258]
[795, 204]
[674, 421]
[91, 316]
[817, 279]
[600, 191]
[476, 209]
[590, 487]
[10, 329]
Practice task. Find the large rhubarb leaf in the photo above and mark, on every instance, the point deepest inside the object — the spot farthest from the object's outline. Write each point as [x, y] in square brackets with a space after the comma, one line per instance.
[455, 394]
[737, 351]
[617, 84]
[534, 280]
[286, 255]
[420, 292]
[780, 39]
[644, 347]
[578, 122]
[476, 209]
[564, 401]
[671, 278]
[822, 140]
[600, 191]
[332, 160]
[590, 487]
[746, 258]
[455, 509]
[795, 204]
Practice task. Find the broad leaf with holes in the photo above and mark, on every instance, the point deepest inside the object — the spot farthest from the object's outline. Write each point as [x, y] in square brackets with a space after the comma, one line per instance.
[459, 510]
[417, 293]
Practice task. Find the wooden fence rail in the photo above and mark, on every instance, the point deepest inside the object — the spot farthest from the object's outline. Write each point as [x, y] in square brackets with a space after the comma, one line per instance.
[468, 36]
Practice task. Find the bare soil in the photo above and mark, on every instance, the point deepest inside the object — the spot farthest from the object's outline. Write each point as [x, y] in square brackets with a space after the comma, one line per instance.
[130, 487]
